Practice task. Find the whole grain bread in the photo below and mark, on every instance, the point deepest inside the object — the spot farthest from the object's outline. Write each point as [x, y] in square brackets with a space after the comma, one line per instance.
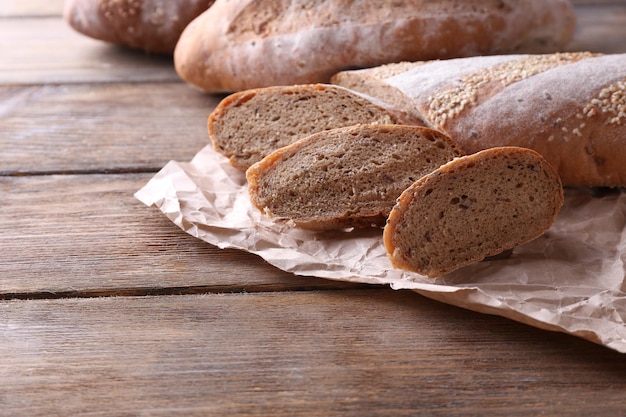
[569, 107]
[245, 44]
[346, 177]
[473, 207]
[150, 25]
[248, 125]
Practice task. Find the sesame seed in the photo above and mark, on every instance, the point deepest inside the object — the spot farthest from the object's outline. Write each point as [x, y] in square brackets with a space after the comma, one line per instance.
[448, 104]
[610, 101]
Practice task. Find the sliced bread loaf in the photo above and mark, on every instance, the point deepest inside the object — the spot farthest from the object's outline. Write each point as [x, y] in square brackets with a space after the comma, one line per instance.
[531, 101]
[248, 125]
[346, 177]
[471, 208]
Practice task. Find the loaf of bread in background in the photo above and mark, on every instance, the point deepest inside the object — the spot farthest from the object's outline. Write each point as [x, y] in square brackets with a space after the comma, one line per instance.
[346, 177]
[471, 208]
[150, 25]
[245, 44]
[248, 125]
[569, 107]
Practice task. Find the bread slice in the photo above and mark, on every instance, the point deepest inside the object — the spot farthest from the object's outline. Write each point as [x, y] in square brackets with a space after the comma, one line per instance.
[248, 125]
[471, 208]
[346, 177]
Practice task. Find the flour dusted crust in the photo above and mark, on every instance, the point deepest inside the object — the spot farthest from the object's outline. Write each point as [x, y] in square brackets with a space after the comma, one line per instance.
[248, 125]
[239, 45]
[569, 107]
[471, 208]
[150, 25]
[346, 177]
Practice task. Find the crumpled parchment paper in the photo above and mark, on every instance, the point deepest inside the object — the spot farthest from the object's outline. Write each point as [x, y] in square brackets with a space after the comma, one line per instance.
[570, 280]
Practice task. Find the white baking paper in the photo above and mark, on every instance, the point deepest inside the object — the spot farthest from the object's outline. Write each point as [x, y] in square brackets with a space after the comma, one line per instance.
[571, 279]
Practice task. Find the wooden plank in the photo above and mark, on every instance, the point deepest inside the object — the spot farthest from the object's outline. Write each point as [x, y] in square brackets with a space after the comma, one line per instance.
[601, 29]
[47, 50]
[114, 127]
[19, 8]
[65, 56]
[54, 7]
[357, 353]
[598, 3]
[87, 235]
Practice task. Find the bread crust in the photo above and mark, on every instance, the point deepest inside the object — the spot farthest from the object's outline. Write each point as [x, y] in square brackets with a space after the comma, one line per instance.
[150, 25]
[472, 208]
[240, 45]
[571, 108]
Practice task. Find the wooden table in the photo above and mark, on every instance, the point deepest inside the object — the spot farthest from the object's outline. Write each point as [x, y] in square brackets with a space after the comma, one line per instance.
[107, 308]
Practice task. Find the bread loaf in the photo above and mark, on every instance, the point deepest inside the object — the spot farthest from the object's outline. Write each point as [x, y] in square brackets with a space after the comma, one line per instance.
[471, 208]
[248, 125]
[346, 177]
[245, 44]
[570, 107]
[150, 25]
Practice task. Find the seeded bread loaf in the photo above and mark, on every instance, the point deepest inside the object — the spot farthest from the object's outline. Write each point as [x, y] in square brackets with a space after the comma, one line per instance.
[470, 208]
[245, 44]
[570, 107]
[248, 125]
[150, 25]
[346, 177]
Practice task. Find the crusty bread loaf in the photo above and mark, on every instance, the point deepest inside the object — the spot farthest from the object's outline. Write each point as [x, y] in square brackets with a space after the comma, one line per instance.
[571, 107]
[245, 44]
[471, 208]
[248, 125]
[346, 177]
[150, 25]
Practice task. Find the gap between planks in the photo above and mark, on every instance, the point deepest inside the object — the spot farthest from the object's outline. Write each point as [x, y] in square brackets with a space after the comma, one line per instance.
[318, 284]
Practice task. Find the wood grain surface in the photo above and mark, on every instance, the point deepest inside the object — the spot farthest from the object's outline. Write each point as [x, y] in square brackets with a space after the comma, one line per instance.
[45, 50]
[108, 309]
[30, 8]
[100, 127]
[368, 352]
[87, 235]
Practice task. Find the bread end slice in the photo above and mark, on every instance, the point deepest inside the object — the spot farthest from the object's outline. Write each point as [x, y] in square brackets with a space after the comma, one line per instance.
[471, 208]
